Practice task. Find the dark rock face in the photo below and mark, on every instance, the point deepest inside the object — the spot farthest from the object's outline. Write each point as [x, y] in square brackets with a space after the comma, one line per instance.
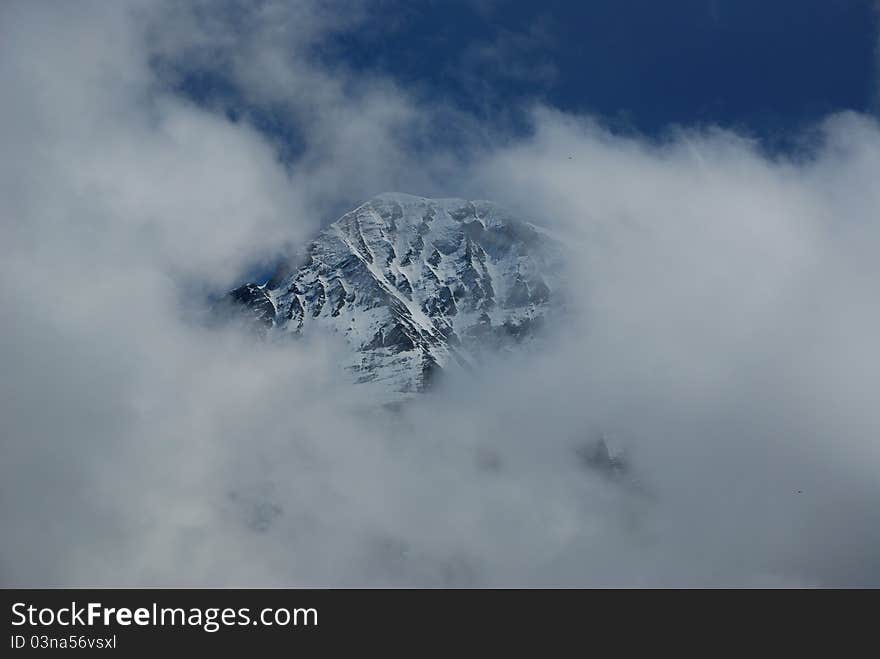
[415, 285]
[257, 301]
[596, 456]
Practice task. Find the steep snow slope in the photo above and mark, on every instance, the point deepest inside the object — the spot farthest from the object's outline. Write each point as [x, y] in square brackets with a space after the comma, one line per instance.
[415, 285]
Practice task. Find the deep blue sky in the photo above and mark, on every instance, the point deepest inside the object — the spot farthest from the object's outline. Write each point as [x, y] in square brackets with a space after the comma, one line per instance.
[764, 67]
[648, 63]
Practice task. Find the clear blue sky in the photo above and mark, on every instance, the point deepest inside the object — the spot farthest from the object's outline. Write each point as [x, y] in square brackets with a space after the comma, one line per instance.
[764, 67]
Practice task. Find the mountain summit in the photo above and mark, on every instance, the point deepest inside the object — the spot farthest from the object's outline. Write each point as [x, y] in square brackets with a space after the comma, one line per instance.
[415, 285]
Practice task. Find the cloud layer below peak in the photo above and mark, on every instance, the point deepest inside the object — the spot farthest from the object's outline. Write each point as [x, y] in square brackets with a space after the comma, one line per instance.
[723, 336]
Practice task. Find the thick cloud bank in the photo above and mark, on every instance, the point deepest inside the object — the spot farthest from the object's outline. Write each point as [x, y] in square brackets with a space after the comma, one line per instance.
[723, 337]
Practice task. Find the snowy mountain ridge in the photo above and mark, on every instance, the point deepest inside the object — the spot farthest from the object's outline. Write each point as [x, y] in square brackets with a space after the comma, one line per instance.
[415, 286]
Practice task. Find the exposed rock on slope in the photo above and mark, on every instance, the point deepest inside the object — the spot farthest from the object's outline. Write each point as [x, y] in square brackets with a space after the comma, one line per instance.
[415, 285]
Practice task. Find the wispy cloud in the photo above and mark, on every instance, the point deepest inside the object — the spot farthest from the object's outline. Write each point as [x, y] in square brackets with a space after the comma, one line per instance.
[723, 333]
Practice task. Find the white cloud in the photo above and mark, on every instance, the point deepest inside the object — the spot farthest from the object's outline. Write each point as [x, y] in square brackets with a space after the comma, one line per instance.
[728, 330]
[726, 337]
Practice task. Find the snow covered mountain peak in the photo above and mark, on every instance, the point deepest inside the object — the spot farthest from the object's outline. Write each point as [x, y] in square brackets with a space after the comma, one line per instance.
[415, 285]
